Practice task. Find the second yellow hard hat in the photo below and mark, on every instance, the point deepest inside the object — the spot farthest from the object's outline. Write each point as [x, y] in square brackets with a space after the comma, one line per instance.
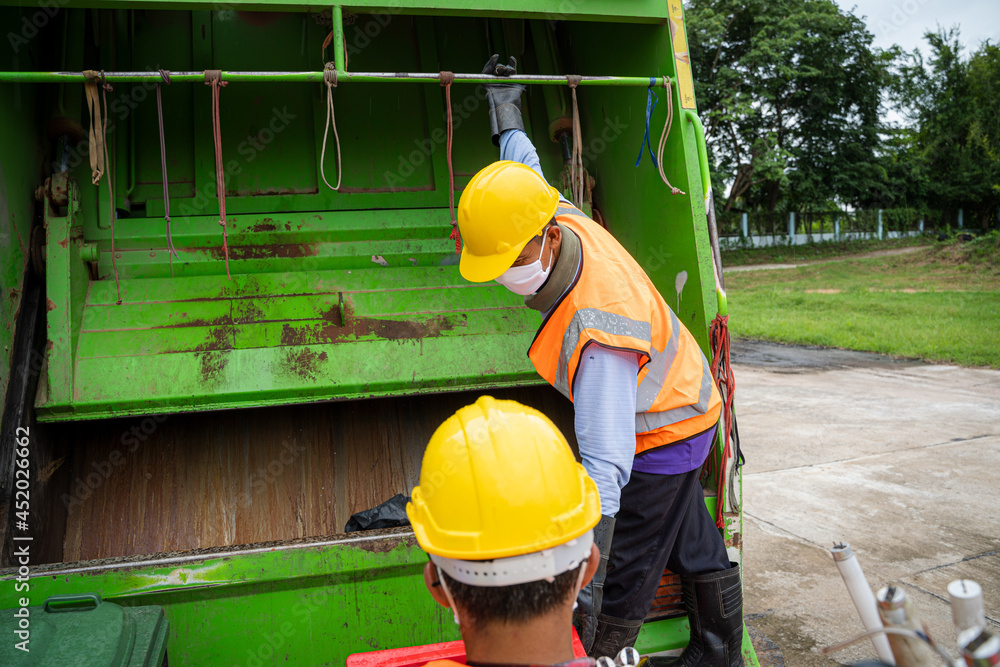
[499, 480]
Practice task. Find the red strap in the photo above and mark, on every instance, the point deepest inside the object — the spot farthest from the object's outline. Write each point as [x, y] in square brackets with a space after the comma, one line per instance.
[446, 80]
[214, 78]
[722, 371]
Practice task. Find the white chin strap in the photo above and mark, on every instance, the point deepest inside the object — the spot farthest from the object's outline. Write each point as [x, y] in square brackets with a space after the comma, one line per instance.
[545, 564]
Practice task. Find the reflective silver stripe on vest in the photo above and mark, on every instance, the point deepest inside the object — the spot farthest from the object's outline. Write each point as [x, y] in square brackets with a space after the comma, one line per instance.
[658, 367]
[568, 210]
[593, 318]
[650, 421]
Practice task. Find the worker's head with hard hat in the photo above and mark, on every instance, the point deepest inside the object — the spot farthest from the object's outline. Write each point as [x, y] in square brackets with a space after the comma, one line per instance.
[505, 216]
[506, 515]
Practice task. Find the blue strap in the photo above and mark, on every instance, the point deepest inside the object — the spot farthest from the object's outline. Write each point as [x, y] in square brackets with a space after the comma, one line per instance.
[651, 100]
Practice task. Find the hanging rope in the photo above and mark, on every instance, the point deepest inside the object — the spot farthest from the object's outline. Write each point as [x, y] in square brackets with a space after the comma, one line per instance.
[100, 159]
[330, 79]
[171, 251]
[722, 371]
[651, 101]
[576, 162]
[213, 78]
[96, 138]
[663, 137]
[447, 78]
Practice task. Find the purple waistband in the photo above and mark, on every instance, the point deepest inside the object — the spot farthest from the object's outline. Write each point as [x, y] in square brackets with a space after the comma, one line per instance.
[678, 458]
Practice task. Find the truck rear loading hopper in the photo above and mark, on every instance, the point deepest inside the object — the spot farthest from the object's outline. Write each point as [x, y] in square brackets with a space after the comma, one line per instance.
[201, 445]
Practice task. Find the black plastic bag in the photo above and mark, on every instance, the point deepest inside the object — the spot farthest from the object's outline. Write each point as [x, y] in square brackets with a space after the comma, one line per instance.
[390, 514]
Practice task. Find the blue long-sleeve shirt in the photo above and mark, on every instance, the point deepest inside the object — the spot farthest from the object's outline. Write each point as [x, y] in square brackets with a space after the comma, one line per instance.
[604, 398]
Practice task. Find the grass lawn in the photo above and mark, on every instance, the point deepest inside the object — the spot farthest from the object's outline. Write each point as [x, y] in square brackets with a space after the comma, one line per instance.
[941, 304]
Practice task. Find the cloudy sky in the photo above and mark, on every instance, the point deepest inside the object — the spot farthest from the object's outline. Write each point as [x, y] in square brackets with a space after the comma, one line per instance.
[904, 22]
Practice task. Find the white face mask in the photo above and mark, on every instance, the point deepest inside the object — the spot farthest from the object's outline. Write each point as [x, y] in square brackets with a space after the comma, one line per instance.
[529, 278]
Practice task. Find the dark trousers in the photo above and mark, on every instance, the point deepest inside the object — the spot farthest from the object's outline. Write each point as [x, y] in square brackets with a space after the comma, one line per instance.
[662, 523]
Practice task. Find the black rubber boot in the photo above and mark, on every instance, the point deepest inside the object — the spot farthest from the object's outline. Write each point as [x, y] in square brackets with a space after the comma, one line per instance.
[613, 634]
[714, 603]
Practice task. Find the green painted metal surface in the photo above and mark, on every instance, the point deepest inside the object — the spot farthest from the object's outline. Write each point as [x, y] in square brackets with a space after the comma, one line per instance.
[309, 603]
[290, 604]
[334, 295]
[582, 10]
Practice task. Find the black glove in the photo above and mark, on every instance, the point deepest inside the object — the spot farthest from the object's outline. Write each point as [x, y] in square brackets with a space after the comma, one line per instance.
[504, 98]
[592, 595]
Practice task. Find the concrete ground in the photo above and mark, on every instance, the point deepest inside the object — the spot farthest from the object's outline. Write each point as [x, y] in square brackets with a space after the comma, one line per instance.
[899, 458]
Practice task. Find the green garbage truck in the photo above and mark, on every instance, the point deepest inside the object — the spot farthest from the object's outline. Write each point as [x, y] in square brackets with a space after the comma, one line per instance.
[232, 314]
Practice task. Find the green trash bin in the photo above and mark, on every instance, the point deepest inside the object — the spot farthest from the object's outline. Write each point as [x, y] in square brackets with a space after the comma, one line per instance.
[85, 631]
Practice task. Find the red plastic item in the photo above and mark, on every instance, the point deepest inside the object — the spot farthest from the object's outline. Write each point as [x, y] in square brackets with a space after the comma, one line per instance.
[416, 656]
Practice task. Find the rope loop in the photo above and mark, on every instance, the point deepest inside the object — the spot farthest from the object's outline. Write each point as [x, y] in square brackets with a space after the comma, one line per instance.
[663, 137]
[576, 171]
[213, 78]
[171, 250]
[330, 79]
[446, 78]
[100, 158]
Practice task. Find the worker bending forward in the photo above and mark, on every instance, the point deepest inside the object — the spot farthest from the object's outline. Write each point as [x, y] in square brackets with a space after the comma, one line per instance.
[646, 406]
[507, 516]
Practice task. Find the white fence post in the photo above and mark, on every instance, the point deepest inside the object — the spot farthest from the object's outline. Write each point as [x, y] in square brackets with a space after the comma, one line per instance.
[744, 225]
[791, 227]
[960, 218]
[880, 234]
[836, 227]
[921, 225]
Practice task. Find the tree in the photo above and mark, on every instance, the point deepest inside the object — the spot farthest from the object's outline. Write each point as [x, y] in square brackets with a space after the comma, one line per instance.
[954, 105]
[792, 91]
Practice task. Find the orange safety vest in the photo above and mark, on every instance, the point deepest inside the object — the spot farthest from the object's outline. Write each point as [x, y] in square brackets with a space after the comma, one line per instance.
[613, 303]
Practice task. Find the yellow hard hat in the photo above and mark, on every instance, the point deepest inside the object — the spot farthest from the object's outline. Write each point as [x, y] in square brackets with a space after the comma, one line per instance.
[499, 480]
[501, 209]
